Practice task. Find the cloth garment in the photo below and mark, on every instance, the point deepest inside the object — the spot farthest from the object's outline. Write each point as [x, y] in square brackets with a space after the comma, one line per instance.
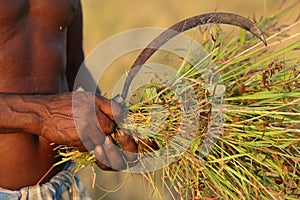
[63, 186]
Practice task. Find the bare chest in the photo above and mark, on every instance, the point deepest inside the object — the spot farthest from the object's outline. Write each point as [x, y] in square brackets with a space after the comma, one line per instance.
[52, 11]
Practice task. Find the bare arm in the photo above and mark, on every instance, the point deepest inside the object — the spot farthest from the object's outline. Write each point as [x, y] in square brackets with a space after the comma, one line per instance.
[54, 116]
[77, 119]
[18, 115]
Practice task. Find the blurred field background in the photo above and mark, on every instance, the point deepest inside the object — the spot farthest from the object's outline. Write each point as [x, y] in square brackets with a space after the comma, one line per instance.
[104, 18]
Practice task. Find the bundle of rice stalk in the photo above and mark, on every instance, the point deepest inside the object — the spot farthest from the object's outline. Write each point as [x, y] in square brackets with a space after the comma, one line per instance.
[257, 155]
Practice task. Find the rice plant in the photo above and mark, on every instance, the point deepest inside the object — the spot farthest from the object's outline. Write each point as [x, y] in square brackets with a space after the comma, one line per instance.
[257, 155]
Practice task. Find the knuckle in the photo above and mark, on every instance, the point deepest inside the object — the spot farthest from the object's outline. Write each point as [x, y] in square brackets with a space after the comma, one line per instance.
[106, 125]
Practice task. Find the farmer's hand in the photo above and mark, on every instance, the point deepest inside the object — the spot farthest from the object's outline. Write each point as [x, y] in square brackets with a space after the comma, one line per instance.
[110, 157]
[85, 121]
[78, 119]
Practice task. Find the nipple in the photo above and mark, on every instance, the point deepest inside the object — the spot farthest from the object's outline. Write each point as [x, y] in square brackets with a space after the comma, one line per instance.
[61, 28]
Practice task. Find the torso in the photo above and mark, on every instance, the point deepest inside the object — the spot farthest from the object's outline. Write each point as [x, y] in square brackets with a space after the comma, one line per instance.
[32, 61]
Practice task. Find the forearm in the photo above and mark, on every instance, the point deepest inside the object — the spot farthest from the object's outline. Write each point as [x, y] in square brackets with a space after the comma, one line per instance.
[20, 113]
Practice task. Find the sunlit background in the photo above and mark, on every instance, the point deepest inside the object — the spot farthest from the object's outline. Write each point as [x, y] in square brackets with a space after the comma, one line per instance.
[105, 18]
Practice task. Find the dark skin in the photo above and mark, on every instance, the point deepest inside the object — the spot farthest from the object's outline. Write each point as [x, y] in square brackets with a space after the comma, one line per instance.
[40, 54]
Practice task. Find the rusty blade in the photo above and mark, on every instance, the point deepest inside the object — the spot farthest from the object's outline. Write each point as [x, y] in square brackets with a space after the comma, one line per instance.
[184, 25]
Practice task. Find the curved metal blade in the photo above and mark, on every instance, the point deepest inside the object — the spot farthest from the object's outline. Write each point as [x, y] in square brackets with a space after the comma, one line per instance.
[214, 18]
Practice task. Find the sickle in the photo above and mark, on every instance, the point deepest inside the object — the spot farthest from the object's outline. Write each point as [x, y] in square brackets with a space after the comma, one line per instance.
[164, 37]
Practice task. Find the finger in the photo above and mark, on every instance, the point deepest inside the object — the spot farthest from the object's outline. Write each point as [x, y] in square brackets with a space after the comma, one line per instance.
[101, 159]
[128, 145]
[126, 141]
[106, 125]
[149, 144]
[113, 154]
[84, 131]
[96, 135]
[88, 145]
[109, 108]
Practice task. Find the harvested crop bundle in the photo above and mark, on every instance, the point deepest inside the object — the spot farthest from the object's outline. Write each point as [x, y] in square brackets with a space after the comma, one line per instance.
[256, 154]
